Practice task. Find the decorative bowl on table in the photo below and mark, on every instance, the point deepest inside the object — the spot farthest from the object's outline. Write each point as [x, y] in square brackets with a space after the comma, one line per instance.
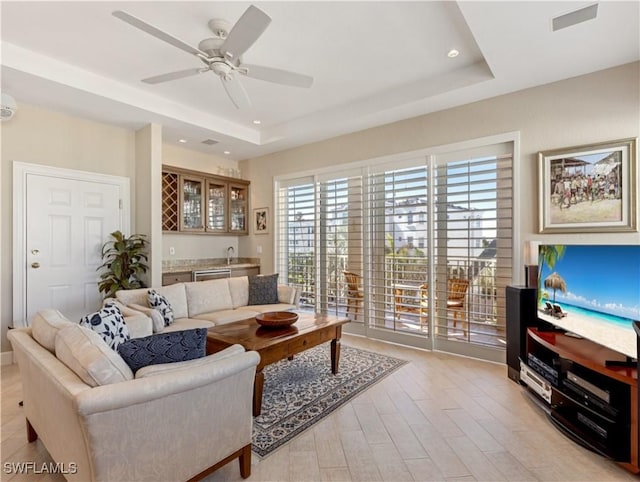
[276, 319]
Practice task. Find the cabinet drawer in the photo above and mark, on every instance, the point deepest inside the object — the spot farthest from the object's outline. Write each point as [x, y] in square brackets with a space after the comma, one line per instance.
[172, 278]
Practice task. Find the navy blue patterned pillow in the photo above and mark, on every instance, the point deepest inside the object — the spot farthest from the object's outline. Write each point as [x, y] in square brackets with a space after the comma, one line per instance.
[263, 289]
[109, 324]
[160, 303]
[174, 346]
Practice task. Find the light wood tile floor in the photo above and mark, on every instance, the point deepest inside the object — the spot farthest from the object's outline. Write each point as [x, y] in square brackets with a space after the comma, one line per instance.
[440, 417]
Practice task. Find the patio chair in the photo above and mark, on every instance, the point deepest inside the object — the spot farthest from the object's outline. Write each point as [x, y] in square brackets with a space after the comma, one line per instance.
[548, 309]
[456, 295]
[354, 293]
[424, 302]
[558, 312]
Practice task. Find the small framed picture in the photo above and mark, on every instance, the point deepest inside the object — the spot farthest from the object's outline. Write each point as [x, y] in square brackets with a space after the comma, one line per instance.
[261, 220]
[589, 189]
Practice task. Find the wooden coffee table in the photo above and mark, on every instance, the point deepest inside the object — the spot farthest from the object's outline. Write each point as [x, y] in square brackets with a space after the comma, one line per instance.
[275, 344]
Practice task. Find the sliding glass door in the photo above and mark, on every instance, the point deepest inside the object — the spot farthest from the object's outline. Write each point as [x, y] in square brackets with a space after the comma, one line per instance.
[415, 250]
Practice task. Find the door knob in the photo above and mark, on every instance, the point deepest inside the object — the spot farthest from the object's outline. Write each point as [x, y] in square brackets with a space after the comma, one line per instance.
[35, 265]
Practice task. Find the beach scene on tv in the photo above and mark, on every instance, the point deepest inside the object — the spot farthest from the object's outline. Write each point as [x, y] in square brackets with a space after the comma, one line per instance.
[593, 291]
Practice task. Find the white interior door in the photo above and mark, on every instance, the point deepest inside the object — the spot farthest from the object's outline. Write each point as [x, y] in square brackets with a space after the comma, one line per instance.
[67, 222]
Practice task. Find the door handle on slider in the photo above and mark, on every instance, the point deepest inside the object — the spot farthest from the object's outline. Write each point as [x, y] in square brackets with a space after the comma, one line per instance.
[35, 265]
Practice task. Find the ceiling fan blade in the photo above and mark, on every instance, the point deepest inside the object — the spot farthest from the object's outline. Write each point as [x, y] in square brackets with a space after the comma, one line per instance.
[157, 33]
[245, 32]
[173, 76]
[236, 91]
[278, 76]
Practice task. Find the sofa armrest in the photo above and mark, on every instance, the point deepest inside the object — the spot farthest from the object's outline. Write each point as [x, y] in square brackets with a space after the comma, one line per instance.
[154, 370]
[142, 390]
[157, 320]
[138, 322]
[288, 294]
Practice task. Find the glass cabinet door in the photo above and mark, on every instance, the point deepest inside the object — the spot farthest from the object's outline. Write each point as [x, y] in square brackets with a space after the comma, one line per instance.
[216, 206]
[238, 215]
[192, 193]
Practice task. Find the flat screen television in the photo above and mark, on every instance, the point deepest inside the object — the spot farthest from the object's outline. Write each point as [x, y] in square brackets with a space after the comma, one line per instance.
[592, 291]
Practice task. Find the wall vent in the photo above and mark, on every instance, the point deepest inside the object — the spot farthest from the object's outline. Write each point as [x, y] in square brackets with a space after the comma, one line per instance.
[575, 17]
[209, 142]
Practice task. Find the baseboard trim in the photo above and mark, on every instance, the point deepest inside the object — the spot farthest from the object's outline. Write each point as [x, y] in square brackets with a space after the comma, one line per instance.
[6, 358]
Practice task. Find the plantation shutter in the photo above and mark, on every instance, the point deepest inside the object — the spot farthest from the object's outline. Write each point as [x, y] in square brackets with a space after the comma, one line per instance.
[473, 238]
[399, 243]
[296, 237]
[341, 239]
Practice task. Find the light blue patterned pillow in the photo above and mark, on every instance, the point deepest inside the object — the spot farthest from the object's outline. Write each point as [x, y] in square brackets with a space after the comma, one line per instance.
[109, 324]
[263, 289]
[160, 303]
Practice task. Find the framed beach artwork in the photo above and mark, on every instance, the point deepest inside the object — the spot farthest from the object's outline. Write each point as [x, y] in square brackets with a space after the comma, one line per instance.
[261, 220]
[591, 188]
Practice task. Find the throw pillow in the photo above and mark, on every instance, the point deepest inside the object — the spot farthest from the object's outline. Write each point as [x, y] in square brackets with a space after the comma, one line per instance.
[160, 303]
[175, 346]
[263, 289]
[109, 324]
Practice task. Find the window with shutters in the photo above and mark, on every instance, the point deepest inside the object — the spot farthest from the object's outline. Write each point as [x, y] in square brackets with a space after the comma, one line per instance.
[417, 246]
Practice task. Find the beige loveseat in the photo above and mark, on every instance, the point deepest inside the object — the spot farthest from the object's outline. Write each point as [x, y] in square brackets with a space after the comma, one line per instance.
[203, 304]
[171, 422]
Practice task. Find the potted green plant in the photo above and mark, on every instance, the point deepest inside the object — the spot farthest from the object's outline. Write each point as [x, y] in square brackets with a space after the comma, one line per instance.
[124, 261]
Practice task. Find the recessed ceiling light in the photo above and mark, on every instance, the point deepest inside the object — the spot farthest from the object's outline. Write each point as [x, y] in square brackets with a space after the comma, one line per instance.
[453, 53]
[227, 152]
[256, 122]
[182, 141]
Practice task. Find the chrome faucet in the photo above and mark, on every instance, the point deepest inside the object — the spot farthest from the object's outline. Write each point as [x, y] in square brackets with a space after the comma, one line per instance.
[229, 250]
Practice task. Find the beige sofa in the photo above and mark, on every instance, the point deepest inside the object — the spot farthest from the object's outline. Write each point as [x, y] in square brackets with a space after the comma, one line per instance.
[171, 422]
[202, 304]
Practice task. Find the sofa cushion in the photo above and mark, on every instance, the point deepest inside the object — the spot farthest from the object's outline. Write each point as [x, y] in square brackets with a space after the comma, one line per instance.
[89, 357]
[207, 296]
[108, 322]
[263, 289]
[176, 346]
[45, 326]
[162, 305]
[177, 297]
[239, 287]
[227, 316]
[132, 297]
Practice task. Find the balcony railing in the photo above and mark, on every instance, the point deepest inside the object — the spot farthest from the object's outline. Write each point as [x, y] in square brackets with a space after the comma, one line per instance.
[481, 296]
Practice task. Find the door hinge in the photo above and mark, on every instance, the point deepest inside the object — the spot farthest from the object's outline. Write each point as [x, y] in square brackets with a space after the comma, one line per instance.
[120, 203]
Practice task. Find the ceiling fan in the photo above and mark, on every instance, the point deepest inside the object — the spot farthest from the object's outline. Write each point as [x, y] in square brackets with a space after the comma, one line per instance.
[221, 54]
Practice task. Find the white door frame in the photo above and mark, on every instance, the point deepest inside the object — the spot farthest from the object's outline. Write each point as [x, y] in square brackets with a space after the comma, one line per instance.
[20, 172]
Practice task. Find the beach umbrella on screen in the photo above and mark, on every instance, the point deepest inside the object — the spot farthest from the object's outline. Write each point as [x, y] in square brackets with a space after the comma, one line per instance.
[555, 282]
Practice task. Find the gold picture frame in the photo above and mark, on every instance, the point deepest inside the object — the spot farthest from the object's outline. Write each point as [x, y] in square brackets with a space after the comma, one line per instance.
[261, 221]
[589, 189]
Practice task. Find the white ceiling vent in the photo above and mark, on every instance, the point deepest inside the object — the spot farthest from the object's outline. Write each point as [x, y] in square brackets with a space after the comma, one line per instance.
[575, 17]
[8, 107]
[209, 142]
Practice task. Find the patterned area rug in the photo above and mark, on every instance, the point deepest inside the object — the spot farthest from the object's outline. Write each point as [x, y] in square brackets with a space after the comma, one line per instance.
[303, 391]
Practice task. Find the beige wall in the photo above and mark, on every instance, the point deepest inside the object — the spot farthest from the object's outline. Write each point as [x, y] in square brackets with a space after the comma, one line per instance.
[190, 246]
[39, 136]
[592, 108]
